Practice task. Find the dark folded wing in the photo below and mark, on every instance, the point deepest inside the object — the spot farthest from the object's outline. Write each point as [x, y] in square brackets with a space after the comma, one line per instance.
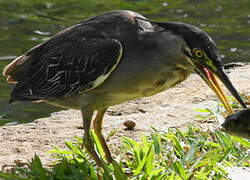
[69, 68]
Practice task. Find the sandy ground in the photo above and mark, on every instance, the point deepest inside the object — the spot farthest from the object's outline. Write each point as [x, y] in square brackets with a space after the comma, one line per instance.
[172, 108]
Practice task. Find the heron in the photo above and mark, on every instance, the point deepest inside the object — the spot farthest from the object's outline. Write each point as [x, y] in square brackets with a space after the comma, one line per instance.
[112, 58]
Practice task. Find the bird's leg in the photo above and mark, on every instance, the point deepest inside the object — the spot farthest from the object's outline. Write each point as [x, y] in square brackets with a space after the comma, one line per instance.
[88, 143]
[97, 123]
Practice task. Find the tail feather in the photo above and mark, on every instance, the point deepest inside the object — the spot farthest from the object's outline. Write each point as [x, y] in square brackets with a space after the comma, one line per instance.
[22, 92]
[21, 98]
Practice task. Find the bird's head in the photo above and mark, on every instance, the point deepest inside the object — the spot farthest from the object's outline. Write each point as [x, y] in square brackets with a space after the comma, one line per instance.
[201, 51]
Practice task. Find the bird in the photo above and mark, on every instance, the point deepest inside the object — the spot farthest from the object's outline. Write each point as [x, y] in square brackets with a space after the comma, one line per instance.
[112, 58]
[237, 124]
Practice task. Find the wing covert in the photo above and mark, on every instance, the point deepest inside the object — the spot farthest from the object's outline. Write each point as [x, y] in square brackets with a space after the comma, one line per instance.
[69, 68]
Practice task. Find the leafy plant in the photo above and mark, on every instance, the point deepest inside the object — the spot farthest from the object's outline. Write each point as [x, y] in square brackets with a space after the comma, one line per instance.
[189, 154]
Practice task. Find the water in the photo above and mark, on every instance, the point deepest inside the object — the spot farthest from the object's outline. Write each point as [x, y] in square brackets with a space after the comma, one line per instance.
[25, 23]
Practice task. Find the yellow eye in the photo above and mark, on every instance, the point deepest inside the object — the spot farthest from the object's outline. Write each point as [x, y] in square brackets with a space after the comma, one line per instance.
[198, 53]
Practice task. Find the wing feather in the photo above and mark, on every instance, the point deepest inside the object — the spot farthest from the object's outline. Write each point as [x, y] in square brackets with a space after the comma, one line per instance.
[69, 68]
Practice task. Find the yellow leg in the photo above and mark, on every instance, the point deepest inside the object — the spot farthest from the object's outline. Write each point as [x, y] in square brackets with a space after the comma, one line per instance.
[88, 143]
[97, 123]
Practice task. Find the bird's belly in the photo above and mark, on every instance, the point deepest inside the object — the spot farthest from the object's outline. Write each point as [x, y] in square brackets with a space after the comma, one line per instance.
[163, 84]
[140, 90]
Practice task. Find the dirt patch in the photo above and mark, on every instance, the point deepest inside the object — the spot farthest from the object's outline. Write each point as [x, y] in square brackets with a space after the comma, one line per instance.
[172, 108]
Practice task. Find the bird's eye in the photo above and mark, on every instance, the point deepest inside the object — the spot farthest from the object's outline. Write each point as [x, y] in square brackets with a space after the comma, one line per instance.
[198, 53]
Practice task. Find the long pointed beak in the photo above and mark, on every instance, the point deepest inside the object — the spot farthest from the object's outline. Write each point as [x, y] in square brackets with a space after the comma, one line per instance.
[225, 80]
[211, 80]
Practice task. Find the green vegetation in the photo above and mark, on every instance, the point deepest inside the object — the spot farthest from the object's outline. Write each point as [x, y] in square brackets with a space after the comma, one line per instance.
[193, 153]
[189, 154]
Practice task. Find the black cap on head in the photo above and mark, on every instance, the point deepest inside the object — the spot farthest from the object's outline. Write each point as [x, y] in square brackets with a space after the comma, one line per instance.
[194, 38]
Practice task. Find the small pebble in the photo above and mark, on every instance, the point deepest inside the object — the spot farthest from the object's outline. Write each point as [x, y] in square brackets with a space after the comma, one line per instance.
[129, 124]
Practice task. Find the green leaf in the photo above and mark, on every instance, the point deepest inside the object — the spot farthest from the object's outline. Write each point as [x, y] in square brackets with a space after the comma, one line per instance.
[10, 176]
[244, 142]
[143, 162]
[223, 139]
[97, 144]
[156, 143]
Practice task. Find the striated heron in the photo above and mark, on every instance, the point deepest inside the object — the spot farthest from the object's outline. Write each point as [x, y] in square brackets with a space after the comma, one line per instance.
[113, 58]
